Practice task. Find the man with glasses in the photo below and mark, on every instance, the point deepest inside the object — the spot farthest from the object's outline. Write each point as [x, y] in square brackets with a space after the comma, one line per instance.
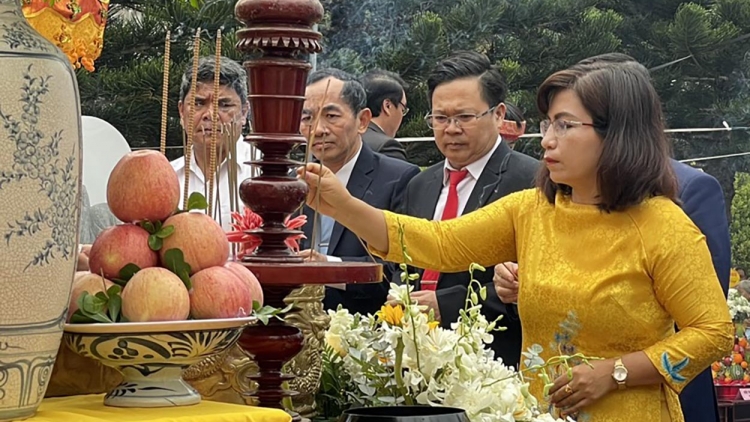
[335, 117]
[467, 96]
[386, 99]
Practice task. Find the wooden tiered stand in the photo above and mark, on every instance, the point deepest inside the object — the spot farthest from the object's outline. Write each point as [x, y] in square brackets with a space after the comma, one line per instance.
[279, 36]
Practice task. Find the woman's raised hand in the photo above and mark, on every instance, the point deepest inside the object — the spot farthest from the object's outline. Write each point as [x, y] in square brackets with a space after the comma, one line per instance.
[333, 197]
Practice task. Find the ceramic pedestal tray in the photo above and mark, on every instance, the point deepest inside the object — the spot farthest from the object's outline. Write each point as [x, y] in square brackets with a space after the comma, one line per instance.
[152, 355]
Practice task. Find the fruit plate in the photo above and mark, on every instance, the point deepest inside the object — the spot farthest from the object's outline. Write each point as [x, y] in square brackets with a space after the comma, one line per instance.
[152, 355]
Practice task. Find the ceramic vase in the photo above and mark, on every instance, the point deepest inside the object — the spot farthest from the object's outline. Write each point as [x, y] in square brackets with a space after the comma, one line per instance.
[40, 184]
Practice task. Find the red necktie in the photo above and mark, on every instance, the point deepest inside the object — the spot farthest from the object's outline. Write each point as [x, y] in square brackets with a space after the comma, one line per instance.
[430, 277]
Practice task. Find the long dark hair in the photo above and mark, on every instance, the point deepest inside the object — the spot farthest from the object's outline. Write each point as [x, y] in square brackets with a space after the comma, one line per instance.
[626, 112]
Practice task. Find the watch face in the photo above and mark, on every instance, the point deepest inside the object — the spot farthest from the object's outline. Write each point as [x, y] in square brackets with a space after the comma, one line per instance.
[620, 374]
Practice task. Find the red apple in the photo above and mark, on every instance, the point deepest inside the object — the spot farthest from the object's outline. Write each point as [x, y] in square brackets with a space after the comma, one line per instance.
[218, 293]
[155, 294]
[86, 282]
[143, 186]
[200, 238]
[256, 291]
[118, 246]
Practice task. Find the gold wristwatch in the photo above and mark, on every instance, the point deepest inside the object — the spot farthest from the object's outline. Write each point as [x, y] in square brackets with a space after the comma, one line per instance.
[620, 374]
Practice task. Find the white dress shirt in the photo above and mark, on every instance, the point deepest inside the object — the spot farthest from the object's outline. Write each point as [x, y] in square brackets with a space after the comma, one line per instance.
[344, 174]
[466, 186]
[198, 180]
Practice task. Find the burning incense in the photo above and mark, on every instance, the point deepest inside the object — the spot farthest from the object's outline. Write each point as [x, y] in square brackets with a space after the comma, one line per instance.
[165, 97]
[308, 154]
[190, 126]
[214, 123]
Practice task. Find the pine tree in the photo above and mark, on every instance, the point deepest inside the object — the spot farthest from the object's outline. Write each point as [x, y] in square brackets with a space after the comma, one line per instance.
[697, 52]
[740, 225]
[126, 88]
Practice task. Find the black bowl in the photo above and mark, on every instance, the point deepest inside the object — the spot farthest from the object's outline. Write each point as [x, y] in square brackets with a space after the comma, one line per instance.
[404, 414]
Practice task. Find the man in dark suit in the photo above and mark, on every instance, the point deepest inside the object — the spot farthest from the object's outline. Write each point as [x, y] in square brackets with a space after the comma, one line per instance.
[374, 178]
[467, 95]
[703, 202]
[386, 99]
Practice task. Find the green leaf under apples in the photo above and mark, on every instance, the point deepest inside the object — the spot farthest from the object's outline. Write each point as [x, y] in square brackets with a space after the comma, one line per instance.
[114, 302]
[174, 260]
[126, 273]
[103, 307]
[165, 232]
[92, 307]
[196, 201]
[155, 243]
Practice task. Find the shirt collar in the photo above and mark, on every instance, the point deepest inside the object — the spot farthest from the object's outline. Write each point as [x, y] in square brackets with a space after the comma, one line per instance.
[243, 150]
[345, 171]
[476, 168]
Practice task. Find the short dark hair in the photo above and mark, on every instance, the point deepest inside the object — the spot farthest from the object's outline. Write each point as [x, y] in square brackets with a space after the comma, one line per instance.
[626, 113]
[467, 64]
[514, 114]
[606, 59]
[381, 85]
[353, 93]
[231, 74]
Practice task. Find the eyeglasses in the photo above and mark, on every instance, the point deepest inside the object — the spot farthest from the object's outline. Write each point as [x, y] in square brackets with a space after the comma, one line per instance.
[438, 121]
[560, 126]
[404, 110]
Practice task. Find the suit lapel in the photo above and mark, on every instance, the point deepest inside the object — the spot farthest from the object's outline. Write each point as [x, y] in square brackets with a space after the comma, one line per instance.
[428, 199]
[487, 184]
[490, 178]
[357, 186]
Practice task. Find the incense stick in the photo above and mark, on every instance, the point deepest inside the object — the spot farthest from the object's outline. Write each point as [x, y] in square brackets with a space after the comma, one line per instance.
[214, 122]
[165, 97]
[190, 129]
[310, 139]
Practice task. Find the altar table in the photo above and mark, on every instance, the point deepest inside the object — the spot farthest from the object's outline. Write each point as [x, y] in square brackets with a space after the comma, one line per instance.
[91, 409]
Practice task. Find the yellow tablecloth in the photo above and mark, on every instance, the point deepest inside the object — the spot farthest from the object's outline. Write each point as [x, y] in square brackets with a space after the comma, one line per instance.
[91, 409]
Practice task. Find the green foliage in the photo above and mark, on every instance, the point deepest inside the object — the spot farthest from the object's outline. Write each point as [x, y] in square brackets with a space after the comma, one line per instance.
[740, 225]
[174, 260]
[103, 307]
[698, 51]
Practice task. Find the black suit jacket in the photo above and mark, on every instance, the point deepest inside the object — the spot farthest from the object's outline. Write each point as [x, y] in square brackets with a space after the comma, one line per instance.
[379, 181]
[506, 172]
[378, 141]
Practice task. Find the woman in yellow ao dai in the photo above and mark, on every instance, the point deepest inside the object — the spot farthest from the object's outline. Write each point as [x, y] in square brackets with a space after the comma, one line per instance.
[609, 263]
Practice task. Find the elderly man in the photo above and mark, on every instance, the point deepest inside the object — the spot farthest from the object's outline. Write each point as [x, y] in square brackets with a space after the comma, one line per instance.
[232, 115]
[374, 178]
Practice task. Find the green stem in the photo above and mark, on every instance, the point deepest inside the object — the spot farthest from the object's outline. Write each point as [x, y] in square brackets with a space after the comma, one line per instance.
[398, 374]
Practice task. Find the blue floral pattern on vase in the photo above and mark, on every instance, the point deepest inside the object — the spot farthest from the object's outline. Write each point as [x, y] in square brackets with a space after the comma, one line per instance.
[38, 157]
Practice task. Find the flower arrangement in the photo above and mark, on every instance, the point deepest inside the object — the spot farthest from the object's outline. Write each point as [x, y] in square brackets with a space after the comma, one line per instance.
[248, 220]
[401, 356]
[732, 370]
[739, 306]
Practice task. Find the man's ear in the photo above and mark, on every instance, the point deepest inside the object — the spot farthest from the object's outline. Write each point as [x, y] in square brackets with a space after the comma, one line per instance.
[181, 109]
[364, 117]
[385, 108]
[500, 112]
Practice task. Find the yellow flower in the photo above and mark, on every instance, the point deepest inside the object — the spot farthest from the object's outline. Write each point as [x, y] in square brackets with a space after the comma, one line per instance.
[334, 340]
[433, 324]
[734, 278]
[391, 314]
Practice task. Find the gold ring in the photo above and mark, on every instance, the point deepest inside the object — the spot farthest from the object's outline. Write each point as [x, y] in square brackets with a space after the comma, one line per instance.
[568, 390]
